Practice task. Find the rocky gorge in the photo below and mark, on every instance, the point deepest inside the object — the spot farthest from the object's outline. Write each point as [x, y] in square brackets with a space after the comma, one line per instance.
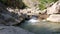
[29, 17]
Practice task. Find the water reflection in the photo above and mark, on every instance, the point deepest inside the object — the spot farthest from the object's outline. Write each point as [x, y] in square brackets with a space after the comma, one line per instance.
[41, 27]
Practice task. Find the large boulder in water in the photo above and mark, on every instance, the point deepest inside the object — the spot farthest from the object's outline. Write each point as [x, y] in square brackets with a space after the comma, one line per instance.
[13, 30]
[54, 18]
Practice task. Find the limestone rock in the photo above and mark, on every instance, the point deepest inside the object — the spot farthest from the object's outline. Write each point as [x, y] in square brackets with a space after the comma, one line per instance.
[31, 11]
[55, 8]
[54, 18]
[13, 30]
[31, 3]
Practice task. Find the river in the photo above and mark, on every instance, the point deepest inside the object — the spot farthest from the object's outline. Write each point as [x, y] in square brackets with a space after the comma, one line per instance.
[40, 27]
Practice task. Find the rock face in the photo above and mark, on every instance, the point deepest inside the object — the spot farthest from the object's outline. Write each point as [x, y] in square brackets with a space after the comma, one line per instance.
[55, 8]
[9, 17]
[31, 3]
[54, 18]
[54, 12]
[31, 11]
[13, 30]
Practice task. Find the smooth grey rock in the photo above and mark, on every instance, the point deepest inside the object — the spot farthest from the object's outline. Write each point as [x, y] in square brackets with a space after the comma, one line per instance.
[13, 30]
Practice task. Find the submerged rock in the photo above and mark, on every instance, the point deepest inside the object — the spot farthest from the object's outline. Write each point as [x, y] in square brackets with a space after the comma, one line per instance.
[13, 30]
[54, 18]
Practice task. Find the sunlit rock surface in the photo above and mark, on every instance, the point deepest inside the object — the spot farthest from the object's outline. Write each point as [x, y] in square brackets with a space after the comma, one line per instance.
[31, 11]
[54, 18]
[55, 8]
[54, 12]
[13, 30]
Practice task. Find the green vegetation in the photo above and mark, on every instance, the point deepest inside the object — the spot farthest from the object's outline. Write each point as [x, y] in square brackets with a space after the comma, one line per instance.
[43, 3]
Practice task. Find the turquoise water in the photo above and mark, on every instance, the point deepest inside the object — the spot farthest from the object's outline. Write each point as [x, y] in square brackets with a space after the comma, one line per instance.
[41, 27]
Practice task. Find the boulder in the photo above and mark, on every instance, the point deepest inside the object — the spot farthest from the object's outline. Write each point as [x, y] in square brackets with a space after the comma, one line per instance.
[54, 18]
[13, 30]
[9, 17]
[55, 8]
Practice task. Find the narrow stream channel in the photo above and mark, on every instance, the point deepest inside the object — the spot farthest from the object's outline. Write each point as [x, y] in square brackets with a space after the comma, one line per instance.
[40, 27]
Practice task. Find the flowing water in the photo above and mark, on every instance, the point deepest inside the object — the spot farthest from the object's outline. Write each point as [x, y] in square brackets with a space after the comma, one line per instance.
[40, 27]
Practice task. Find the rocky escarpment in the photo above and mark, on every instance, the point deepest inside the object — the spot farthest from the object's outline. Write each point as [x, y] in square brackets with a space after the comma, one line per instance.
[9, 18]
[54, 12]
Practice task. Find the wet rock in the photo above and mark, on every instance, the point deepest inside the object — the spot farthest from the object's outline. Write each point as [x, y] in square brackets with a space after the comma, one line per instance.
[54, 18]
[13, 30]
